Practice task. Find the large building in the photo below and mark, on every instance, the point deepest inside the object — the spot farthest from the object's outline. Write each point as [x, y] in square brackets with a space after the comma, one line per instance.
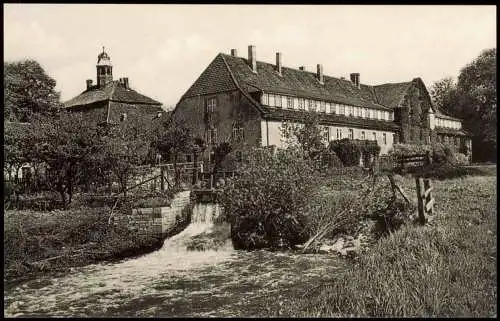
[240, 99]
[112, 101]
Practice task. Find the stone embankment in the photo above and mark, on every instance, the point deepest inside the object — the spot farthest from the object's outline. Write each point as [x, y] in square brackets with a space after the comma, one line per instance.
[155, 221]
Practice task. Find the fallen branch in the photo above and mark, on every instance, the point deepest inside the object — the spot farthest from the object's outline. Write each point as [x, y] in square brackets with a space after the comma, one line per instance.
[112, 209]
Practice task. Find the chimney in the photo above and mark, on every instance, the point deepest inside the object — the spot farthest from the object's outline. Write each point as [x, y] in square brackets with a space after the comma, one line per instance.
[125, 82]
[89, 83]
[355, 79]
[279, 57]
[303, 68]
[234, 53]
[252, 59]
[319, 73]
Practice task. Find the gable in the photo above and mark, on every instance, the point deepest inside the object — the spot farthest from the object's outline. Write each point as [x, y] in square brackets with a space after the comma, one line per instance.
[215, 78]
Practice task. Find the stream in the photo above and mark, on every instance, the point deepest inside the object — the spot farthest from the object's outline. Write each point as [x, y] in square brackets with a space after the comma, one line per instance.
[175, 282]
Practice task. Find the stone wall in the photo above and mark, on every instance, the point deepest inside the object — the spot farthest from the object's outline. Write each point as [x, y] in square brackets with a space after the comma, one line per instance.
[157, 221]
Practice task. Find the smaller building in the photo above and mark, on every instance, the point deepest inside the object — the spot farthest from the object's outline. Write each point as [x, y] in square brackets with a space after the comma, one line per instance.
[112, 101]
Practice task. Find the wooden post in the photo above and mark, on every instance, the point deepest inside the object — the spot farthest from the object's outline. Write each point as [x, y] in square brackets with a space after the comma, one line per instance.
[162, 179]
[429, 201]
[420, 200]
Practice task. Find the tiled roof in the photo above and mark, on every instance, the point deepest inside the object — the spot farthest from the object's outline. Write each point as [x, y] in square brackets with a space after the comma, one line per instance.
[300, 83]
[114, 91]
[441, 114]
[331, 119]
[215, 78]
[391, 95]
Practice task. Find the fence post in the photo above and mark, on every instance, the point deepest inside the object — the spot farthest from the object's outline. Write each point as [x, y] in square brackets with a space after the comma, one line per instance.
[420, 200]
[428, 197]
[162, 179]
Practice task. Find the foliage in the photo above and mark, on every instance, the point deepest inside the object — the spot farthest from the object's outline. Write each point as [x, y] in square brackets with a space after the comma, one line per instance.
[447, 269]
[306, 136]
[124, 147]
[349, 151]
[77, 236]
[398, 150]
[265, 204]
[28, 90]
[64, 145]
[473, 99]
[220, 152]
[173, 139]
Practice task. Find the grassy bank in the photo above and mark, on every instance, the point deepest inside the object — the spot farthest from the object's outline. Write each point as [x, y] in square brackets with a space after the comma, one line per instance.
[445, 269]
[51, 242]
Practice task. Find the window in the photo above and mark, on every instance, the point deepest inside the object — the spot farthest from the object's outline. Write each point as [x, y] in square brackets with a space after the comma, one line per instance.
[212, 136]
[311, 104]
[339, 133]
[359, 111]
[238, 156]
[211, 104]
[322, 106]
[289, 102]
[277, 101]
[394, 140]
[265, 99]
[369, 113]
[363, 135]
[271, 100]
[328, 108]
[301, 103]
[350, 110]
[384, 137]
[158, 114]
[351, 133]
[123, 117]
[326, 133]
[374, 136]
[342, 109]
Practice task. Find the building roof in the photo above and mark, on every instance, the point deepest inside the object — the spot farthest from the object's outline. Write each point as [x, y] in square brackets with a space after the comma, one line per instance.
[114, 91]
[299, 83]
[451, 131]
[391, 95]
[441, 114]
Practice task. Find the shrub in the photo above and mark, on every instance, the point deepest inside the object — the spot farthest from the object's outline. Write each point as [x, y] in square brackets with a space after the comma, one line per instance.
[461, 159]
[348, 152]
[265, 203]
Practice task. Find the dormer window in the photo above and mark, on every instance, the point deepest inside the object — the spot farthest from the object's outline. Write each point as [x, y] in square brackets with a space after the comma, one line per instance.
[158, 115]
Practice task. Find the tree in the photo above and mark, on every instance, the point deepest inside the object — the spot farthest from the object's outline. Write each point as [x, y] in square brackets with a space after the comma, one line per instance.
[28, 90]
[172, 140]
[444, 94]
[473, 99]
[307, 136]
[124, 147]
[65, 144]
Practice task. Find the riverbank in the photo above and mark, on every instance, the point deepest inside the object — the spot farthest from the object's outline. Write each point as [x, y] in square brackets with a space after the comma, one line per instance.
[52, 243]
[447, 268]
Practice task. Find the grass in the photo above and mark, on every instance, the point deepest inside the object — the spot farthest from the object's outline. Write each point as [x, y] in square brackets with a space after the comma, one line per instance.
[447, 268]
[74, 237]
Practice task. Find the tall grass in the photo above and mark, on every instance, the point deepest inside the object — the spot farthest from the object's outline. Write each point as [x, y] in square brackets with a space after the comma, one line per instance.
[445, 269]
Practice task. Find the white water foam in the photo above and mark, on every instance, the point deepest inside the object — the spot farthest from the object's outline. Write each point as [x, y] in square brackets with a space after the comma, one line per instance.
[127, 279]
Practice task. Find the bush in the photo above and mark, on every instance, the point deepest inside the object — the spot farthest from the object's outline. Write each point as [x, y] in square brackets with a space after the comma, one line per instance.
[265, 204]
[348, 152]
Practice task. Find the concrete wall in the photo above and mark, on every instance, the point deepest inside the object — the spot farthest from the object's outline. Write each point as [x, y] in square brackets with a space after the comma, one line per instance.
[271, 135]
[155, 221]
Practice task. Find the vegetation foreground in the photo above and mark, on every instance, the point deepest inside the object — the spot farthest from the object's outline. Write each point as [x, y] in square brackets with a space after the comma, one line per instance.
[446, 268]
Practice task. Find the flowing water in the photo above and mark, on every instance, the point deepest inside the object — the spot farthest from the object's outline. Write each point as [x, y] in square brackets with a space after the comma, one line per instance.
[175, 282]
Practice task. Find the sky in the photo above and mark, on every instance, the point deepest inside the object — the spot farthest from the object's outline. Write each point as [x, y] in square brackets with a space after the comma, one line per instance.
[163, 49]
